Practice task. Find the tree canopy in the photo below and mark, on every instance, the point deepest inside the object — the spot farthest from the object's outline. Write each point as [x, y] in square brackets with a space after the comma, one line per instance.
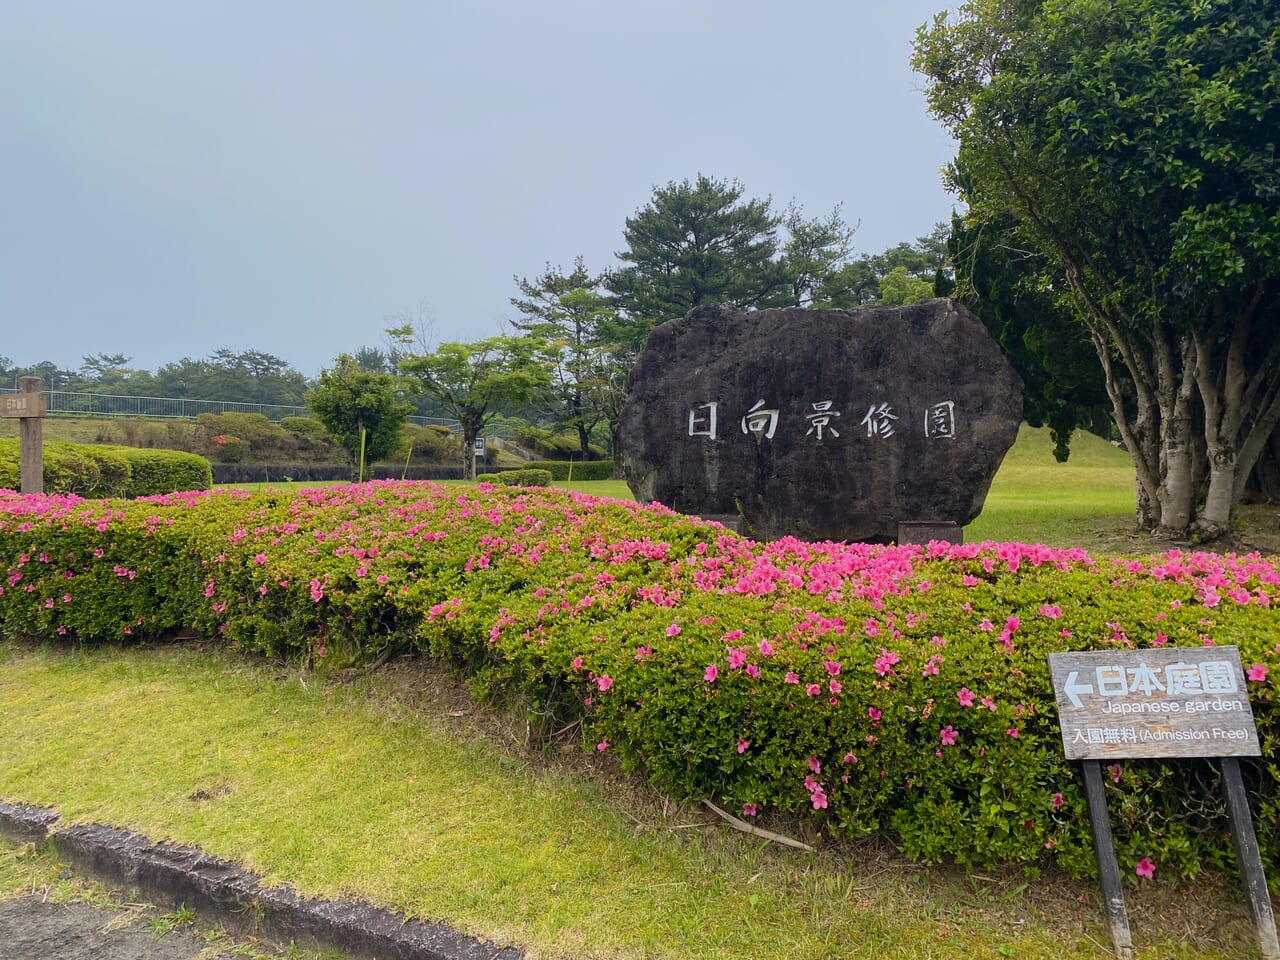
[1131, 144]
[698, 242]
[472, 382]
[587, 349]
[361, 410]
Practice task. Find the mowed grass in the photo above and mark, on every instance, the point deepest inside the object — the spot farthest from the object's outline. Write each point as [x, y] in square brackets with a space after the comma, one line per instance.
[1036, 499]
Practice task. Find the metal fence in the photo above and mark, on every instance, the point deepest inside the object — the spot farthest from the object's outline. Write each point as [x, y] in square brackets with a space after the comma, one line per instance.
[111, 405]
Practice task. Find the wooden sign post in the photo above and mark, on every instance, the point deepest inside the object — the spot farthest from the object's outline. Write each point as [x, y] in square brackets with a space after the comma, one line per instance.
[1174, 702]
[30, 405]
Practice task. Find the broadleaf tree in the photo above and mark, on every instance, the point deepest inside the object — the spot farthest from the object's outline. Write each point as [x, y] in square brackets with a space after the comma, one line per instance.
[1132, 144]
[1003, 282]
[472, 382]
[359, 409]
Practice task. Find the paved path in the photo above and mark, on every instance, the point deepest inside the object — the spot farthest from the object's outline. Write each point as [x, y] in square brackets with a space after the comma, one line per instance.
[32, 930]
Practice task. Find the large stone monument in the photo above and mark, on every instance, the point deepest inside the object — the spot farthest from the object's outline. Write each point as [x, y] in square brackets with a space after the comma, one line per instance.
[823, 424]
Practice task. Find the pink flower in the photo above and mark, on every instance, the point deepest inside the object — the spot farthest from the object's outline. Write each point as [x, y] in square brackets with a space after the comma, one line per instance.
[874, 713]
[1050, 610]
[968, 580]
[834, 685]
[743, 745]
[850, 757]
[1057, 801]
[832, 667]
[753, 671]
[577, 663]
[710, 674]
[1257, 673]
[1145, 868]
[815, 764]
[965, 696]
[791, 677]
[1114, 769]
[750, 809]
[765, 648]
[813, 690]
[1012, 731]
[948, 735]
[604, 682]
[602, 746]
[737, 657]
[673, 630]
[885, 662]
[819, 800]
[989, 704]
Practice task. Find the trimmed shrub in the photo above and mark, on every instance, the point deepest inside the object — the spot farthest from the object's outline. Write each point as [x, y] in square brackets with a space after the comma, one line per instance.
[164, 471]
[431, 445]
[901, 692]
[83, 469]
[580, 469]
[522, 478]
[552, 446]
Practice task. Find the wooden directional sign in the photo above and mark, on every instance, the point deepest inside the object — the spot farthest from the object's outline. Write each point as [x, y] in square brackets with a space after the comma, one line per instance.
[1159, 702]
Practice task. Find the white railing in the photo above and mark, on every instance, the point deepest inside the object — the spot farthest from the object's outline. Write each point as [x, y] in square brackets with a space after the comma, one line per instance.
[115, 405]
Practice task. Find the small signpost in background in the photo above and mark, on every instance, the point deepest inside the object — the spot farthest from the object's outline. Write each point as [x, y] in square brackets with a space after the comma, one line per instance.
[30, 405]
[1174, 702]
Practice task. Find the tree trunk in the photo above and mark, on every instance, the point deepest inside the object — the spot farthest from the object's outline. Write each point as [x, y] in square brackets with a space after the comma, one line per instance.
[615, 444]
[1264, 480]
[469, 434]
[1176, 384]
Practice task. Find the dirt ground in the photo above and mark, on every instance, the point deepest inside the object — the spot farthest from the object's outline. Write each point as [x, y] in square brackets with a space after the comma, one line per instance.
[1256, 528]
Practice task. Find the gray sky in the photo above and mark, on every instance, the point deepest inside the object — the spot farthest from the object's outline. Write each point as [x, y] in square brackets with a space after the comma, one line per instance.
[294, 177]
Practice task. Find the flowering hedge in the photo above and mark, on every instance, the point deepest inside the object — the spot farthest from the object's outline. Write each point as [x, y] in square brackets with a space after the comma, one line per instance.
[895, 691]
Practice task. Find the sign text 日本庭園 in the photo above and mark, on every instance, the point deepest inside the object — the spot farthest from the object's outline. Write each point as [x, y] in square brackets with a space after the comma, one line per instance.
[1160, 702]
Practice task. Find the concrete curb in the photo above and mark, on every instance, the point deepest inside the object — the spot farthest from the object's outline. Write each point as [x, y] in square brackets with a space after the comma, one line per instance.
[223, 893]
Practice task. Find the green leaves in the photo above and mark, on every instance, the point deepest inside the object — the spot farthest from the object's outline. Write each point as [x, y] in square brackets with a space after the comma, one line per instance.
[361, 410]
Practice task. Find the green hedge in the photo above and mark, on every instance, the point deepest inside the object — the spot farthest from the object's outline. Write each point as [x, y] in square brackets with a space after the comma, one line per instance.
[86, 470]
[580, 469]
[897, 692]
[95, 471]
[522, 478]
[164, 471]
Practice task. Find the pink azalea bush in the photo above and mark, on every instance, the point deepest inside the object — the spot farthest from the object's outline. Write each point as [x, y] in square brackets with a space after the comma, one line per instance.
[898, 691]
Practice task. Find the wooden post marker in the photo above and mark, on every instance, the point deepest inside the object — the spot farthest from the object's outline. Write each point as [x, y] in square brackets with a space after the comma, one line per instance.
[1172, 702]
[30, 405]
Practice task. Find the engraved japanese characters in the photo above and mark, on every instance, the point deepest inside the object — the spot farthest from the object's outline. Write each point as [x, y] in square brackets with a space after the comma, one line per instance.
[823, 424]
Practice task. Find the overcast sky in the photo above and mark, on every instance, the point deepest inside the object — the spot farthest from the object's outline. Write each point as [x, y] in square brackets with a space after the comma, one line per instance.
[294, 177]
